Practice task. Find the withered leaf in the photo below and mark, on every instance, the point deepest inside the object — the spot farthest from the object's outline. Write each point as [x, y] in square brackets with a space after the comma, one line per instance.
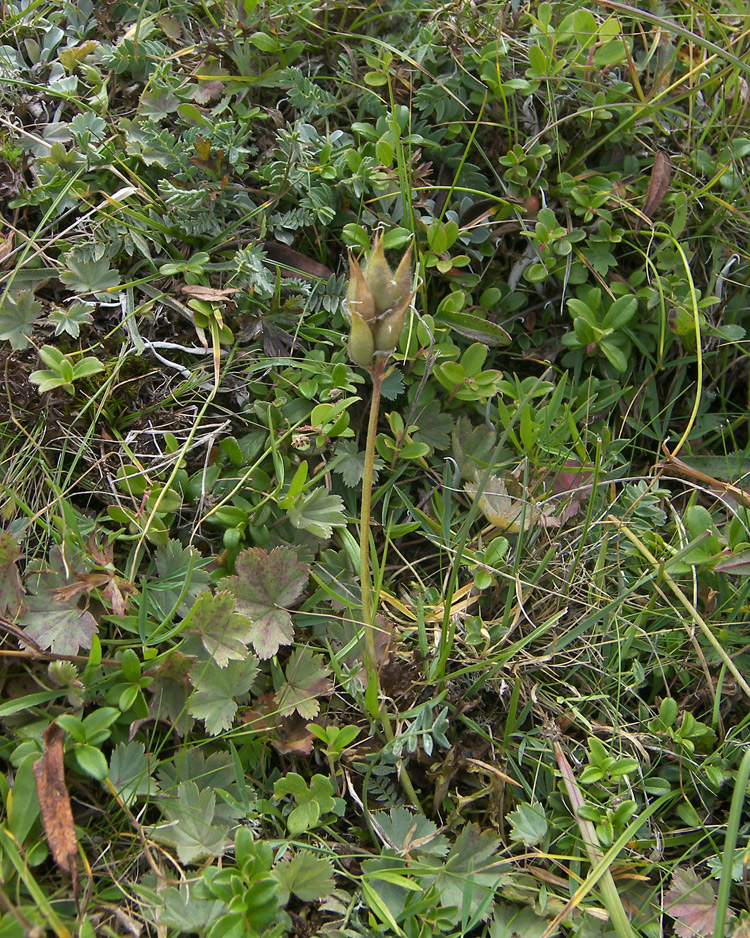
[657, 187]
[294, 264]
[209, 294]
[54, 801]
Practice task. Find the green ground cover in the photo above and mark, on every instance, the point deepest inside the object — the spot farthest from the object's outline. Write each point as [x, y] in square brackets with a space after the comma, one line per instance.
[374, 538]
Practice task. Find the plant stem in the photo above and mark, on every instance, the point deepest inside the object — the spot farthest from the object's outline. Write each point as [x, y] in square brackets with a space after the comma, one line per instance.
[364, 527]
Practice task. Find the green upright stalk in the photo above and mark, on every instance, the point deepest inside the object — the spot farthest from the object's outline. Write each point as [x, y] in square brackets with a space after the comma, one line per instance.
[364, 528]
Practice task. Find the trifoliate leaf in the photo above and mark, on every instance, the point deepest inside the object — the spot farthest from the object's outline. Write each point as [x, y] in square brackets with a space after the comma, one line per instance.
[223, 632]
[11, 591]
[17, 316]
[318, 512]
[213, 699]
[528, 823]
[306, 681]
[265, 584]
[310, 878]
[190, 826]
[313, 800]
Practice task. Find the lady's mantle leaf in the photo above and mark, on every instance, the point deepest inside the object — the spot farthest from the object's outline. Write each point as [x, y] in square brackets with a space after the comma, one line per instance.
[50, 623]
[310, 878]
[264, 585]
[318, 512]
[224, 633]
[529, 825]
[191, 828]
[306, 680]
[213, 699]
[692, 904]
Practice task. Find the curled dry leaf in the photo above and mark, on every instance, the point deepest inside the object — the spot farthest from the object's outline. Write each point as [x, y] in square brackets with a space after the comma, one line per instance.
[657, 187]
[208, 294]
[54, 801]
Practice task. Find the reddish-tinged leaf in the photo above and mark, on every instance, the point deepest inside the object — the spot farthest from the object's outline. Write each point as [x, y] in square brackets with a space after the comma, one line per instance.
[573, 481]
[293, 737]
[54, 801]
[265, 584]
[11, 591]
[224, 633]
[692, 904]
[207, 91]
[738, 564]
[306, 680]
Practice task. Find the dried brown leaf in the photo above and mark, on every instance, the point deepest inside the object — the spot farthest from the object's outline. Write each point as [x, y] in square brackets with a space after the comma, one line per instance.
[657, 187]
[54, 801]
[208, 294]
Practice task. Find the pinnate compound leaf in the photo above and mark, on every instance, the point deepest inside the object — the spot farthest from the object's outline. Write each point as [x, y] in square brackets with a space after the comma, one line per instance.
[306, 680]
[216, 689]
[529, 825]
[190, 826]
[223, 632]
[264, 585]
[692, 904]
[310, 878]
[17, 316]
[318, 512]
[11, 591]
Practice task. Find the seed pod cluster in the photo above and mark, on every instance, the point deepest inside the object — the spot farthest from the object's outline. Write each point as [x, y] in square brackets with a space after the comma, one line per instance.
[378, 299]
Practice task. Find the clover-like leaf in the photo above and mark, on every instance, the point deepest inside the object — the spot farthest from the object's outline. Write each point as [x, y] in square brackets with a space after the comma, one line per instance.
[264, 585]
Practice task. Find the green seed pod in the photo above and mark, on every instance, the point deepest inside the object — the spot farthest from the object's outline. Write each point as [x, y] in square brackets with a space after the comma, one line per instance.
[388, 331]
[359, 298]
[379, 278]
[402, 280]
[361, 342]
